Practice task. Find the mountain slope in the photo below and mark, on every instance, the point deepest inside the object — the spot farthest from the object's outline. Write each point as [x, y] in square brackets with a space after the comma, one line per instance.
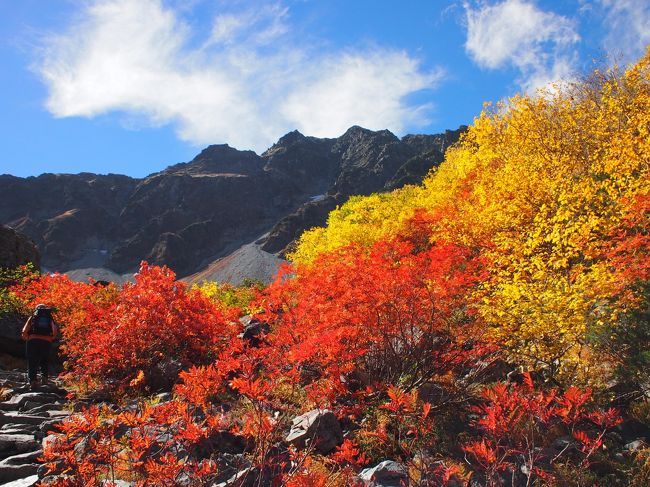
[192, 213]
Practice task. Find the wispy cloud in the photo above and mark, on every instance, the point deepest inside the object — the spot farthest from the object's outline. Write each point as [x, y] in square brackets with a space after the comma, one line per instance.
[270, 22]
[248, 82]
[628, 26]
[517, 33]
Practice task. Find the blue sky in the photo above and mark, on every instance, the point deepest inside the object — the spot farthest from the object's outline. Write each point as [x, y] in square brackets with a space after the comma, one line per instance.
[131, 86]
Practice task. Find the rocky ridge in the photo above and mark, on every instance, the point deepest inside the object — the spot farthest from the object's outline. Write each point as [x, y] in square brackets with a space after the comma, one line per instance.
[191, 214]
[16, 249]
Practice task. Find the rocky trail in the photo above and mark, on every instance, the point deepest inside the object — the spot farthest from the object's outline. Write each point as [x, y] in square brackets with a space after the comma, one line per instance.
[26, 419]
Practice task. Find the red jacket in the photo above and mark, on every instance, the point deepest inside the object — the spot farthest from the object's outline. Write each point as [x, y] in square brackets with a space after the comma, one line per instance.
[28, 336]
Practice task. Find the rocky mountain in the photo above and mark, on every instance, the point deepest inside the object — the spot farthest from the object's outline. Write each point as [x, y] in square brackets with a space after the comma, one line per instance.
[191, 214]
[16, 249]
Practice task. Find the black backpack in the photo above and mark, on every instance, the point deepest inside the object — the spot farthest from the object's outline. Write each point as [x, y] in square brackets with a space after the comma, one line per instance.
[42, 323]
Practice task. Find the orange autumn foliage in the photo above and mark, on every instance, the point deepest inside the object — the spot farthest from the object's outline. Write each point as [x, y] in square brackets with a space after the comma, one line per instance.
[391, 313]
[134, 337]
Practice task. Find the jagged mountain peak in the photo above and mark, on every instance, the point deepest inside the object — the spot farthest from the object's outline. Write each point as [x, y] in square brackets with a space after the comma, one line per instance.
[219, 159]
[191, 213]
[221, 151]
[290, 138]
[356, 133]
[293, 142]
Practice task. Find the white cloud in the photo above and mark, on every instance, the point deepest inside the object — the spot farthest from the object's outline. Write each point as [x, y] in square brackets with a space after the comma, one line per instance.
[226, 27]
[355, 88]
[247, 84]
[270, 22]
[628, 24]
[517, 33]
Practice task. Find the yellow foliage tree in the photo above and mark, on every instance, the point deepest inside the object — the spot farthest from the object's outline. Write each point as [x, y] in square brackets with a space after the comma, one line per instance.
[362, 219]
[538, 184]
[231, 296]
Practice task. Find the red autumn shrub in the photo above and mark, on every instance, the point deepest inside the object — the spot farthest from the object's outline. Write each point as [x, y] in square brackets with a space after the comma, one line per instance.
[139, 336]
[390, 315]
[525, 433]
[408, 427]
[152, 322]
[73, 301]
[155, 446]
[623, 332]
[630, 250]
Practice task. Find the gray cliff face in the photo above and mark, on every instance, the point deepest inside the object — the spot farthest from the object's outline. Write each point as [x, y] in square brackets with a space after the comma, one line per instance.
[16, 249]
[366, 162]
[191, 213]
[69, 217]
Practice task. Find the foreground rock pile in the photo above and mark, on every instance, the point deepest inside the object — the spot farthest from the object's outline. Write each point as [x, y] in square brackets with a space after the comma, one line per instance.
[26, 418]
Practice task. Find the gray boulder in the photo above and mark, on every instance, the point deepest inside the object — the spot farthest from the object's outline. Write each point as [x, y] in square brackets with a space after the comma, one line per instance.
[386, 474]
[318, 428]
[253, 328]
[21, 419]
[26, 482]
[9, 473]
[37, 398]
[17, 443]
[634, 446]
[21, 458]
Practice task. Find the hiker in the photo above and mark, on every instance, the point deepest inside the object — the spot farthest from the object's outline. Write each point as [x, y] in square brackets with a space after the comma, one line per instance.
[39, 331]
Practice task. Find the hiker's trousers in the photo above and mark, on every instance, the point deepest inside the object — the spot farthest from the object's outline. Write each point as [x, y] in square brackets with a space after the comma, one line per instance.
[38, 353]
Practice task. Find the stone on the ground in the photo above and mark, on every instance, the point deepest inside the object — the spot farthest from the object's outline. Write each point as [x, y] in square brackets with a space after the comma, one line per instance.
[17, 418]
[163, 397]
[632, 429]
[163, 374]
[386, 474]
[44, 408]
[55, 413]
[253, 328]
[22, 458]
[49, 441]
[24, 417]
[318, 428]
[9, 473]
[634, 446]
[229, 465]
[26, 482]
[17, 443]
[33, 397]
[248, 477]
[48, 425]
[8, 406]
[19, 429]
